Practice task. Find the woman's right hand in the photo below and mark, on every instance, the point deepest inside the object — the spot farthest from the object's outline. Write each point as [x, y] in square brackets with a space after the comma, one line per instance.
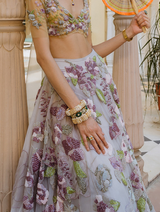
[91, 128]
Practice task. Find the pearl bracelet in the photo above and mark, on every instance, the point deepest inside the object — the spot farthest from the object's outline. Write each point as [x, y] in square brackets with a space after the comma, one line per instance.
[70, 112]
[82, 118]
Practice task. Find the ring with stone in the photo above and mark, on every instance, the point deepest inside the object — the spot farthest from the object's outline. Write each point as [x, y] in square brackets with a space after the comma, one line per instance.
[146, 12]
[91, 138]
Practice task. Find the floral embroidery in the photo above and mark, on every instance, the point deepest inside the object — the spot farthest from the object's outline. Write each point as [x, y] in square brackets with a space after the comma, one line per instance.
[61, 22]
[42, 194]
[92, 66]
[115, 204]
[28, 203]
[64, 166]
[136, 183]
[104, 178]
[72, 149]
[116, 164]
[67, 129]
[37, 134]
[127, 152]
[79, 172]
[36, 160]
[49, 208]
[82, 185]
[141, 204]
[100, 95]
[114, 131]
[62, 189]
[49, 158]
[103, 204]
[44, 103]
[29, 180]
[50, 171]
[86, 84]
[57, 134]
[59, 112]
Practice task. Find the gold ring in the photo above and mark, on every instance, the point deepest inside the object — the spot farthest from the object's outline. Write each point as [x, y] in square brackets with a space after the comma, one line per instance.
[91, 138]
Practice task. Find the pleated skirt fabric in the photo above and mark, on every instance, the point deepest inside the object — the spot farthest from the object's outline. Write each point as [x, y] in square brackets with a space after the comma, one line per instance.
[56, 173]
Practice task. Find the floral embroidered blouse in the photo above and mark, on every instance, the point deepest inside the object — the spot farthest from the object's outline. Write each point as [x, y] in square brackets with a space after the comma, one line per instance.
[51, 18]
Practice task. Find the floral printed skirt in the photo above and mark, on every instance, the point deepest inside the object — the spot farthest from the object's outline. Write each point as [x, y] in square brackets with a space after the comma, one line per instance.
[56, 173]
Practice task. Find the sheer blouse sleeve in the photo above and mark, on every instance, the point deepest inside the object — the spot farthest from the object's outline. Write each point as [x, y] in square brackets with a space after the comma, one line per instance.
[36, 20]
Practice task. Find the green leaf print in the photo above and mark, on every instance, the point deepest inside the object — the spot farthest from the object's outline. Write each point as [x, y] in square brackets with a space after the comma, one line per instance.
[123, 179]
[50, 171]
[98, 114]
[70, 190]
[42, 81]
[100, 95]
[54, 199]
[94, 58]
[82, 141]
[120, 153]
[101, 59]
[79, 172]
[112, 87]
[92, 76]
[141, 204]
[118, 105]
[74, 81]
[115, 204]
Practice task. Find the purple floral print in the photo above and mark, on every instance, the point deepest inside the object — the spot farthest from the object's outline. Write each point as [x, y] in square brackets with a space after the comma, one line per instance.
[42, 194]
[135, 179]
[36, 160]
[116, 164]
[29, 180]
[44, 102]
[28, 203]
[59, 112]
[57, 134]
[50, 208]
[92, 66]
[72, 149]
[49, 158]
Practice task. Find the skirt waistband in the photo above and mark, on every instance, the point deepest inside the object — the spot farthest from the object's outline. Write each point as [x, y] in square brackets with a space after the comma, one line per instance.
[60, 60]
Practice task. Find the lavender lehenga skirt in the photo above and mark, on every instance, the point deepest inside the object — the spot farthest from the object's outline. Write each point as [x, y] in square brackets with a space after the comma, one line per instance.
[56, 173]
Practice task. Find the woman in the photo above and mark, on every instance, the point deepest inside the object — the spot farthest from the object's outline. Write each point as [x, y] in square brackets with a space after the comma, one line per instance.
[77, 155]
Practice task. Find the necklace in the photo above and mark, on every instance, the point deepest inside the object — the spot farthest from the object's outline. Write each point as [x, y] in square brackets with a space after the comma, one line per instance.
[72, 2]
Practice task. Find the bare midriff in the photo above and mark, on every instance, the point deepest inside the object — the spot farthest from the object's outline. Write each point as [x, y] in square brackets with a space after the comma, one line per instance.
[72, 46]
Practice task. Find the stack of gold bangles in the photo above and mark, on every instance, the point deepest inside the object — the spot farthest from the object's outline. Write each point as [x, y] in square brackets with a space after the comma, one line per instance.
[79, 113]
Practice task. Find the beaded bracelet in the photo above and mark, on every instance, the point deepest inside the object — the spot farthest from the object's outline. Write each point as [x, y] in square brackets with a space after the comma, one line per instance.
[82, 118]
[70, 112]
[80, 113]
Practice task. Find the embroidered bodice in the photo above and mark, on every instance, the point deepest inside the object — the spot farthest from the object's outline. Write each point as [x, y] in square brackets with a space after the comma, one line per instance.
[58, 20]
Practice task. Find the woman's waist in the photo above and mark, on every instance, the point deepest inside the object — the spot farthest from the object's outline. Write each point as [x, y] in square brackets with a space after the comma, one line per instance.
[71, 47]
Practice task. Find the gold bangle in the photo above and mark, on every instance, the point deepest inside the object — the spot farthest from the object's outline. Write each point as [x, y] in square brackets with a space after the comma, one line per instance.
[83, 118]
[125, 36]
[70, 112]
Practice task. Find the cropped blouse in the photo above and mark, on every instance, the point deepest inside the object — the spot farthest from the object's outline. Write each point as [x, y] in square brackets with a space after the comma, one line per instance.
[51, 18]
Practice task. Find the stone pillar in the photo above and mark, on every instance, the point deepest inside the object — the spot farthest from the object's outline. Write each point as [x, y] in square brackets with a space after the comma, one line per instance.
[110, 33]
[127, 80]
[13, 104]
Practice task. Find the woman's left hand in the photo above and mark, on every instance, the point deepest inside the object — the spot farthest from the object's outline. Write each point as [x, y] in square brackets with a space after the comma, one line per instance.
[140, 20]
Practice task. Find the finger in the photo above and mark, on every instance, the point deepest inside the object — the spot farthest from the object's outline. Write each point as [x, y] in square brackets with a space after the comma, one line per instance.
[94, 144]
[141, 20]
[145, 23]
[101, 136]
[99, 142]
[85, 141]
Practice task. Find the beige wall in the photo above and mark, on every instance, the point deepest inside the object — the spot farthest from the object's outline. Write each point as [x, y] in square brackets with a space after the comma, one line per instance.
[98, 21]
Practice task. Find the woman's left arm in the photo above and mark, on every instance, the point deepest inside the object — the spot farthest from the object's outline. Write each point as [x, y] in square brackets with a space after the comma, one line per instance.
[107, 47]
